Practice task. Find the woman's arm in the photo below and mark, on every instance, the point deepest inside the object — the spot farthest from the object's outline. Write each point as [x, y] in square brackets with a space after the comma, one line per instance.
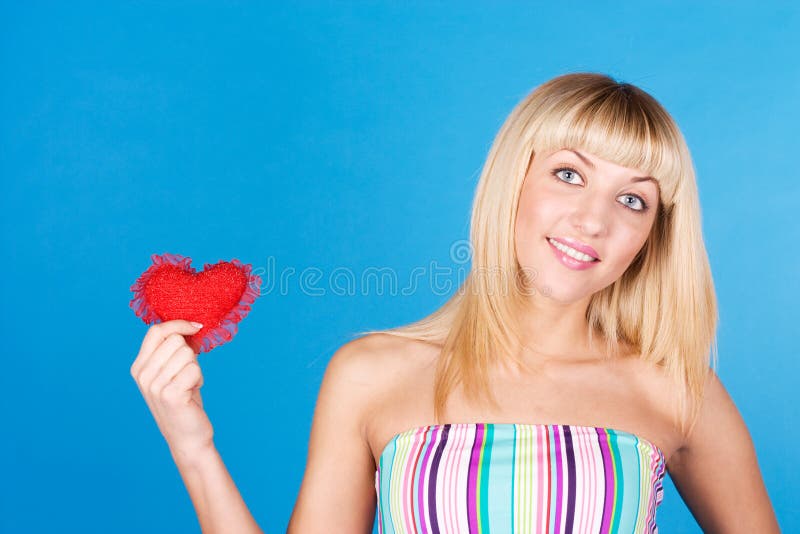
[338, 489]
[716, 470]
[169, 377]
[217, 502]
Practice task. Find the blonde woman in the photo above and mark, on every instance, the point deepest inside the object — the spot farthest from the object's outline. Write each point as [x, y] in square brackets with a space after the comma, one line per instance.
[557, 387]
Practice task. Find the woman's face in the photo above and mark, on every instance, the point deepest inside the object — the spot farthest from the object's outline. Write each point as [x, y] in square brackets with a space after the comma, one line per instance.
[597, 207]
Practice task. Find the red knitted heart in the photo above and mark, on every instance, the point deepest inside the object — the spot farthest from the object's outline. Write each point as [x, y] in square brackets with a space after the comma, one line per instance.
[217, 297]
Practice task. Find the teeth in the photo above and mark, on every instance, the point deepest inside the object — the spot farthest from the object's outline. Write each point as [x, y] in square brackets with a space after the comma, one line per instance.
[571, 252]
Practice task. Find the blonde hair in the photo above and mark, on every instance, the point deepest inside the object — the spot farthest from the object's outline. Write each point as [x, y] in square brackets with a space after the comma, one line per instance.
[664, 306]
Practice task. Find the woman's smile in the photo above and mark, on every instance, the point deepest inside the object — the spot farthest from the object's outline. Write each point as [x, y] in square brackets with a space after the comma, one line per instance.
[570, 257]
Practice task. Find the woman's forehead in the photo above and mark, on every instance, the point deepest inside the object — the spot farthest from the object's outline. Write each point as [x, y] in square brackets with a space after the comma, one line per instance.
[589, 159]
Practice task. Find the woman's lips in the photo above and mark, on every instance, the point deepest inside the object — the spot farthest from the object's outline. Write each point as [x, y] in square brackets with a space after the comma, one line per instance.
[569, 261]
[577, 245]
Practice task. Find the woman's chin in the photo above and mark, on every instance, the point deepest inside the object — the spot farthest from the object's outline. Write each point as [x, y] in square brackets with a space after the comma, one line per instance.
[560, 293]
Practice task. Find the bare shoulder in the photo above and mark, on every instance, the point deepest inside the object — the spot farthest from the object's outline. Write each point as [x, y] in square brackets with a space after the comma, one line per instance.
[337, 492]
[718, 417]
[721, 498]
[386, 356]
[402, 371]
[374, 365]
[380, 356]
[359, 361]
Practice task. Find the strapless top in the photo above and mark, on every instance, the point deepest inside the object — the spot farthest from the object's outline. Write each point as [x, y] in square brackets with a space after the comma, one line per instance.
[518, 478]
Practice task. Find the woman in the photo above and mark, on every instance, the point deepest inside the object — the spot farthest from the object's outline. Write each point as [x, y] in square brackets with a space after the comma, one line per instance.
[556, 388]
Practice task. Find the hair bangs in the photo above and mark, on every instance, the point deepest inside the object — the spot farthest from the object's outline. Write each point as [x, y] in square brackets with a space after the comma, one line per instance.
[619, 125]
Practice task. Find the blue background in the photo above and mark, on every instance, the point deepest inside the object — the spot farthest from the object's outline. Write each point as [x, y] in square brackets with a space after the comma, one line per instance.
[327, 136]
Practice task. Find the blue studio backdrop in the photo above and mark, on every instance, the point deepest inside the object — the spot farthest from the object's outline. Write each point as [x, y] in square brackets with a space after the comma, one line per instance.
[322, 138]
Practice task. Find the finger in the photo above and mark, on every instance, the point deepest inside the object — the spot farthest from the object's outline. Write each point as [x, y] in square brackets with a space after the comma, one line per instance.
[196, 395]
[155, 335]
[159, 357]
[180, 390]
[154, 338]
[182, 356]
[159, 332]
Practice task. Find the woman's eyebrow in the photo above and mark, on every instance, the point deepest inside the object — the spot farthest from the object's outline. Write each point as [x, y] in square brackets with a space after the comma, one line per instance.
[591, 166]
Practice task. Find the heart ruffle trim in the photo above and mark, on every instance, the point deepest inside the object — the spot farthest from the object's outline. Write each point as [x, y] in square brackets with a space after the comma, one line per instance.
[209, 336]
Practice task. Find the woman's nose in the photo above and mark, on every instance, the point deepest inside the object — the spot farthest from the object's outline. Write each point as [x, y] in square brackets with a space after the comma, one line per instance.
[590, 216]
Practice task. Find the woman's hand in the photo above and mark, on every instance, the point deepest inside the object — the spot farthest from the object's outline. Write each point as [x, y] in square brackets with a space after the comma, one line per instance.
[169, 378]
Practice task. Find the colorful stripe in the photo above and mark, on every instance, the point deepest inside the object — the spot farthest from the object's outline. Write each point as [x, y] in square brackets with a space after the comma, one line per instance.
[503, 477]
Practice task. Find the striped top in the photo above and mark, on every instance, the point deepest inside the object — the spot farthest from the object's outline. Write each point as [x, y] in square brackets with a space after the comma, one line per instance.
[508, 478]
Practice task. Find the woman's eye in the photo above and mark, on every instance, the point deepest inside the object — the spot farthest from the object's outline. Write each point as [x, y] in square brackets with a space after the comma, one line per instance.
[567, 173]
[636, 201]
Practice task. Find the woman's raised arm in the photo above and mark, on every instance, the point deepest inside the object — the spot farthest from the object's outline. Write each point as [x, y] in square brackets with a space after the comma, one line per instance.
[337, 493]
[169, 377]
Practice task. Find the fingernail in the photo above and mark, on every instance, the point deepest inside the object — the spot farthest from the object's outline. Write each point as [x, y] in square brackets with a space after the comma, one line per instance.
[196, 325]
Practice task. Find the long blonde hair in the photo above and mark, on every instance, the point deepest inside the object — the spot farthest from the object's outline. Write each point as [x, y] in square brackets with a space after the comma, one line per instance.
[664, 306]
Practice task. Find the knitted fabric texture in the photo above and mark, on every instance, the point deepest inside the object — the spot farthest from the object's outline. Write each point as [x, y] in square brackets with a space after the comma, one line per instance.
[218, 297]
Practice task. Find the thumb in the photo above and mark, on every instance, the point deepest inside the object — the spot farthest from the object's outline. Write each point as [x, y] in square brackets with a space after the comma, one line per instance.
[182, 326]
